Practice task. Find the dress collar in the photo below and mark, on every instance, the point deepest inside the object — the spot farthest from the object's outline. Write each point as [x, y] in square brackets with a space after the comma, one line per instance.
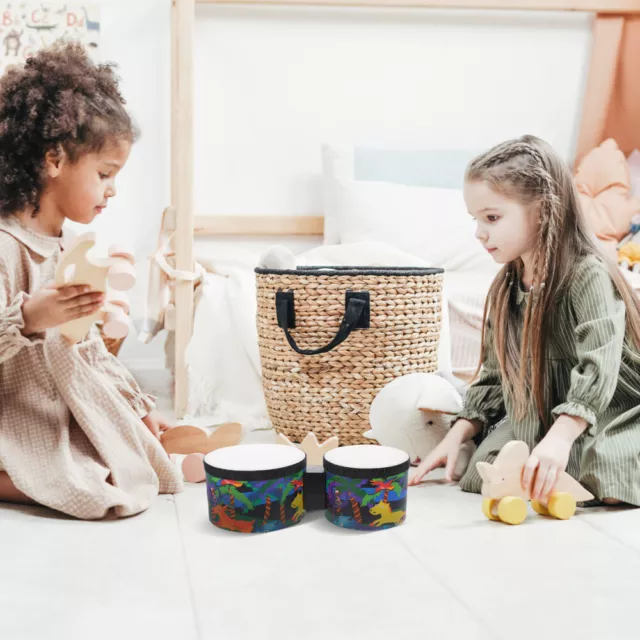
[42, 245]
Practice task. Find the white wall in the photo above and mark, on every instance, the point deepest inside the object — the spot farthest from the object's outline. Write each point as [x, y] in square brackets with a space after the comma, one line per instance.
[136, 35]
[272, 84]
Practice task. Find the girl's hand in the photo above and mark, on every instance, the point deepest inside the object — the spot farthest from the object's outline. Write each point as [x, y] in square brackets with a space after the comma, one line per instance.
[550, 458]
[156, 423]
[446, 453]
[50, 307]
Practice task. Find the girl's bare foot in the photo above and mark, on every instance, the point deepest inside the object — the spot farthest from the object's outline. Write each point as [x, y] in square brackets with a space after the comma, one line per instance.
[611, 501]
[9, 492]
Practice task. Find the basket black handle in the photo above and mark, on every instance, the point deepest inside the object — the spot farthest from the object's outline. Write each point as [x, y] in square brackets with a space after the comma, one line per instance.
[356, 316]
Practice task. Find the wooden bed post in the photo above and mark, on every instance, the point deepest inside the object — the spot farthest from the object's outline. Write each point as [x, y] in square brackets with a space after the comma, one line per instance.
[182, 22]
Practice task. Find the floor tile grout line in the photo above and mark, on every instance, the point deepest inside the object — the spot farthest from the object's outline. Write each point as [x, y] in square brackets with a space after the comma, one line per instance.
[611, 536]
[487, 627]
[192, 595]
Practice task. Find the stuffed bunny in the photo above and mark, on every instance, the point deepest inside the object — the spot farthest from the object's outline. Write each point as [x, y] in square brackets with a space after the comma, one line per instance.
[413, 413]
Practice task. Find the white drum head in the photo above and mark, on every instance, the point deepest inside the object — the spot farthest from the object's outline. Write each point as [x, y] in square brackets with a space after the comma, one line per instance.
[366, 456]
[254, 457]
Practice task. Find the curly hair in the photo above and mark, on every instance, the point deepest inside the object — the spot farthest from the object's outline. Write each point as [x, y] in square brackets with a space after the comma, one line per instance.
[59, 101]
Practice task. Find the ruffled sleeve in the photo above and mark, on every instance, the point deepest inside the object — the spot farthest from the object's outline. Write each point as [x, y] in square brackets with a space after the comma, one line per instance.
[599, 337]
[11, 320]
[485, 399]
[94, 351]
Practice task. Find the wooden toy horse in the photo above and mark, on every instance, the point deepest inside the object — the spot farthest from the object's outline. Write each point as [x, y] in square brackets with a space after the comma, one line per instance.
[504, 497]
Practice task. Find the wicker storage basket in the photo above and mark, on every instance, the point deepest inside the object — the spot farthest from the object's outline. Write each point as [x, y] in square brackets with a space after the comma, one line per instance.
[331, 337]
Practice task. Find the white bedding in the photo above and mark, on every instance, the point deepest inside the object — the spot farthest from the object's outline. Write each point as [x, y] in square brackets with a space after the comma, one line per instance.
[223, 357]
[466, 293]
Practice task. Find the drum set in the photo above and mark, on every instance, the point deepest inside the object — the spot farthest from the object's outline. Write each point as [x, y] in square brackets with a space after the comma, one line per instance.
[255, 488]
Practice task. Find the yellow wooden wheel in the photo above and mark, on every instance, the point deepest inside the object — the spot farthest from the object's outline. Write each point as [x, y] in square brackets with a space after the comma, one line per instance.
[512, 510]
[538, 507]
[487, 508]
[562, 505]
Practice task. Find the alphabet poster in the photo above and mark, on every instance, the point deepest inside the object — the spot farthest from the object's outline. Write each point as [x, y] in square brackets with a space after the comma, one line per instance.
[26, 26]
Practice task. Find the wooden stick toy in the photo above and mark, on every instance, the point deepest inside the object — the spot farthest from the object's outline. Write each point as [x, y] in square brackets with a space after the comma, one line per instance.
[506, 500]
[112, 275]
[187, 439]
[310, 445]
[195, 443]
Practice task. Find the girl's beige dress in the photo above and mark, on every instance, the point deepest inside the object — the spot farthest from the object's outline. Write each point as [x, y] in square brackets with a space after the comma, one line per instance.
[71, 434]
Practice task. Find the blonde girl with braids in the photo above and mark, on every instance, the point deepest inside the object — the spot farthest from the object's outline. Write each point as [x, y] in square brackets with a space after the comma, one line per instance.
[560, 365]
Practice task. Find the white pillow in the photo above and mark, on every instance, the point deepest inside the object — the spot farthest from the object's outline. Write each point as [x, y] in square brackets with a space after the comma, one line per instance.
[410, 166]
[430, 223]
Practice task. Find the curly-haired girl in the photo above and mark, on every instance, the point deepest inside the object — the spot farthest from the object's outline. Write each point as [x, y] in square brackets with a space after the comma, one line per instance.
[72, 419]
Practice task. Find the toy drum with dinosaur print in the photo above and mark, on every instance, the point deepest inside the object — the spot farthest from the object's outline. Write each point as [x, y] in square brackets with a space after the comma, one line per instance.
[254, 488]
[366, 487]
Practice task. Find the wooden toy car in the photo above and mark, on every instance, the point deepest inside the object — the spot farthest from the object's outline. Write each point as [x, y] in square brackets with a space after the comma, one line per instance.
[506, 500]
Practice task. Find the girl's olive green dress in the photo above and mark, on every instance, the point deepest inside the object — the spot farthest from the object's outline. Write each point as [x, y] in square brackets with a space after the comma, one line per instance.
[592, 372]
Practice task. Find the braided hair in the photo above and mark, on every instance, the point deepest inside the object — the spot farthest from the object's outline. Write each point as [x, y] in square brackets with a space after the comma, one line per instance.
[529, 171]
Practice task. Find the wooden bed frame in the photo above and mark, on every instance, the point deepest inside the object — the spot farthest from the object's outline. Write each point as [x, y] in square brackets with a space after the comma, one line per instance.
[186, 224]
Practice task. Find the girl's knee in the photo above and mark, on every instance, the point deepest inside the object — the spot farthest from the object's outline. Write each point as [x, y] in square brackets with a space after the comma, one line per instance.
[471, 482]
[10, 493]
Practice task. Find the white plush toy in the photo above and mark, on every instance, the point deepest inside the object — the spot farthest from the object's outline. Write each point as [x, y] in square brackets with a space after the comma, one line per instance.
[277, 257]
[412, 413]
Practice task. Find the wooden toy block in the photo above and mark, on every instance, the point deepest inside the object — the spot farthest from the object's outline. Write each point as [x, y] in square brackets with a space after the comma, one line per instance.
[111, 275]
[193, 468]
[187, 439]
[119, 299]
[506, 500]
[310, 445]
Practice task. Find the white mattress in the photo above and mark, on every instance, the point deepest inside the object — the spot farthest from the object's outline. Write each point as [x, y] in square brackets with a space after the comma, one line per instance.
[466, 293]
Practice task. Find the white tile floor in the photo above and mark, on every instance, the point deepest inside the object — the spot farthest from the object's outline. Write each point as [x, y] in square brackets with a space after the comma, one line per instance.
[447, 573]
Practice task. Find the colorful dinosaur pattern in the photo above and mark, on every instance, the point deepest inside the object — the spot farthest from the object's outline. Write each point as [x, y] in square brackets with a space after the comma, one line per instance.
[297, 504]
[366, 504]
[226, 520]
[255, 506]
[386, 516]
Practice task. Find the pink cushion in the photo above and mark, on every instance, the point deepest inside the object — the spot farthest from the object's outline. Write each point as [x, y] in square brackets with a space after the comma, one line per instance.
[604, 188]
